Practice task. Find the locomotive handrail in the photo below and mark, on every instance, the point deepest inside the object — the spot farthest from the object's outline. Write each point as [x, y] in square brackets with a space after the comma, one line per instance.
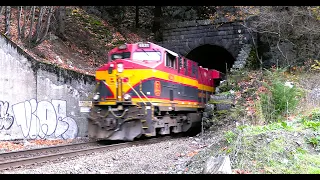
[136, 93]
[140, 89]
[145, 97]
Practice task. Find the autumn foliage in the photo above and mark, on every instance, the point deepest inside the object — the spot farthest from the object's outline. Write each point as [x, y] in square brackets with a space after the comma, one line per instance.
[262, 97]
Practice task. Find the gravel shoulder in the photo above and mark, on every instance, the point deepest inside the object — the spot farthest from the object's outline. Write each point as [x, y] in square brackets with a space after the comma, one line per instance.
[172, 156]
[19, 145]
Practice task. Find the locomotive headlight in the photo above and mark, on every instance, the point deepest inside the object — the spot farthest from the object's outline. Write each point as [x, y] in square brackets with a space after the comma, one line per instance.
[127, 97]
[96, 96]
[120, 67]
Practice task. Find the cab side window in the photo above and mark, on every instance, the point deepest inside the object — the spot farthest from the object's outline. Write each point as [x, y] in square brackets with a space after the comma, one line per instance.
[170, 60]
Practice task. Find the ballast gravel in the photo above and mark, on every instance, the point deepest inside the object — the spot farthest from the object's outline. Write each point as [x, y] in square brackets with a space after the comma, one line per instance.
[166, 157]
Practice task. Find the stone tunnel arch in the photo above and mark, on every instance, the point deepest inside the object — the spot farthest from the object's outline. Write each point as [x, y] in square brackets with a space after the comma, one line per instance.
[212, 56]
[226, 38]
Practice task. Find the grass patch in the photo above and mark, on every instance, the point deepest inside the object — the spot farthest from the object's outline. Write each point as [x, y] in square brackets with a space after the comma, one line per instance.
[302, 164]
[256, 130]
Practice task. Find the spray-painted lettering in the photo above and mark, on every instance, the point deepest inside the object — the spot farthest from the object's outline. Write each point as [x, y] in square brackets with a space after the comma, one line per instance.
[6, 120]
[44, 119]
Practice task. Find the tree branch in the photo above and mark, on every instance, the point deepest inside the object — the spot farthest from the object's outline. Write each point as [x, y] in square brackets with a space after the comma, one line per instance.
[32, 21]
[19, 17]
[48, 24]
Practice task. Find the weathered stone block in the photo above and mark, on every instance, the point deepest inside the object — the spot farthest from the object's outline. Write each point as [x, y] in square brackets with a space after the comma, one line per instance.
[201, 40]
[182, 51]
[192, 37]
[217, 165]
[229, 36]
[239, 66]
[236, 63]
[201, 35]
[222, 33]
[212, 33]
[198, 31]
[175, 33]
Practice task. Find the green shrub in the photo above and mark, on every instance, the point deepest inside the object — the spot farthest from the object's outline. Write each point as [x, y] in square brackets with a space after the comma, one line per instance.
[252, 60]
[314, 141]
[280, 99]
[315, 115]
[230, 136]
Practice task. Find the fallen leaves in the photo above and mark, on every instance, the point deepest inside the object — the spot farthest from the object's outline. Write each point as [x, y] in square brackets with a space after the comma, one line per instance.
[47, 142]
[249, 90]
[10, 146]
[224, 148]
[192, 153]
[15, 146]
[239, 171]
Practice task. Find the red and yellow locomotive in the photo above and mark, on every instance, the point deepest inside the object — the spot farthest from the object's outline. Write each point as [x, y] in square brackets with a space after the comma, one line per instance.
[146, 89]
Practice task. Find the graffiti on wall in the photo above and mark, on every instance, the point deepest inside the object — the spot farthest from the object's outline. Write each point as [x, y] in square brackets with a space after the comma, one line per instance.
[44, 119]
[6, 120]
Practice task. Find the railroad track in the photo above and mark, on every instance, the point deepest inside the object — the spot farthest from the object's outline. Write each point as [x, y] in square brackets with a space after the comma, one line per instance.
[40, 155]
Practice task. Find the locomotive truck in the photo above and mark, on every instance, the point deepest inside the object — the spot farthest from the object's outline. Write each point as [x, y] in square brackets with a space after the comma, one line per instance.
[146, 90]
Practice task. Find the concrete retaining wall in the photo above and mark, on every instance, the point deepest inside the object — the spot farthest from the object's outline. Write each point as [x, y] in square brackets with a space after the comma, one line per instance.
[39, 100]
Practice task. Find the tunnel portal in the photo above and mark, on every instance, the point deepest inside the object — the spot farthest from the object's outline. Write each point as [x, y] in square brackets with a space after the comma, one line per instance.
[212, 57]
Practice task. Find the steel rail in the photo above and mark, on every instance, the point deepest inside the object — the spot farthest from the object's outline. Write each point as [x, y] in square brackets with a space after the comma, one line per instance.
[17, 154]
[55, 156]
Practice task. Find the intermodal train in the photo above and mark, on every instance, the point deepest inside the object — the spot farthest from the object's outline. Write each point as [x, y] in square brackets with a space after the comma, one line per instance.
[147, 90]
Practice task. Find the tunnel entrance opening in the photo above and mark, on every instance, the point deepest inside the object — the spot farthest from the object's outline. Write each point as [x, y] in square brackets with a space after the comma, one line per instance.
[212, 57]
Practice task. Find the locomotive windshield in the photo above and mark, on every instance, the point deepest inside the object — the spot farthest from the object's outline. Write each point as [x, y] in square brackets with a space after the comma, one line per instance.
[146, 55]
[122, 55]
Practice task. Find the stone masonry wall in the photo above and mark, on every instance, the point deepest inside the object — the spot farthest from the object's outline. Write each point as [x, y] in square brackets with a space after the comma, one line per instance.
[185, 36]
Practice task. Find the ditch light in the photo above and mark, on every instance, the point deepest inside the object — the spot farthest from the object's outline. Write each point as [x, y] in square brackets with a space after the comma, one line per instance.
[120, 67]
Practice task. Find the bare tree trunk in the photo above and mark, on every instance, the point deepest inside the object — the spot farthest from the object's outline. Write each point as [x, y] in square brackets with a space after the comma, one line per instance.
[157, 22]
[26, 17]
[2, 9]
[61, 15]
[7, 17]
[48, 24]
[38, 27]
[157, 13]
[32, 20]
[19, 17]
[137, 16]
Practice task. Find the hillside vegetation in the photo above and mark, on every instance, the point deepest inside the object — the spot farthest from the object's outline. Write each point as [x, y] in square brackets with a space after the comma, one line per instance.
[277, 123]
[84, 46]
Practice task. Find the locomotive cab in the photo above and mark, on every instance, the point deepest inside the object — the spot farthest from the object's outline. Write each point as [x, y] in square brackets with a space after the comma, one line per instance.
[117, 77]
